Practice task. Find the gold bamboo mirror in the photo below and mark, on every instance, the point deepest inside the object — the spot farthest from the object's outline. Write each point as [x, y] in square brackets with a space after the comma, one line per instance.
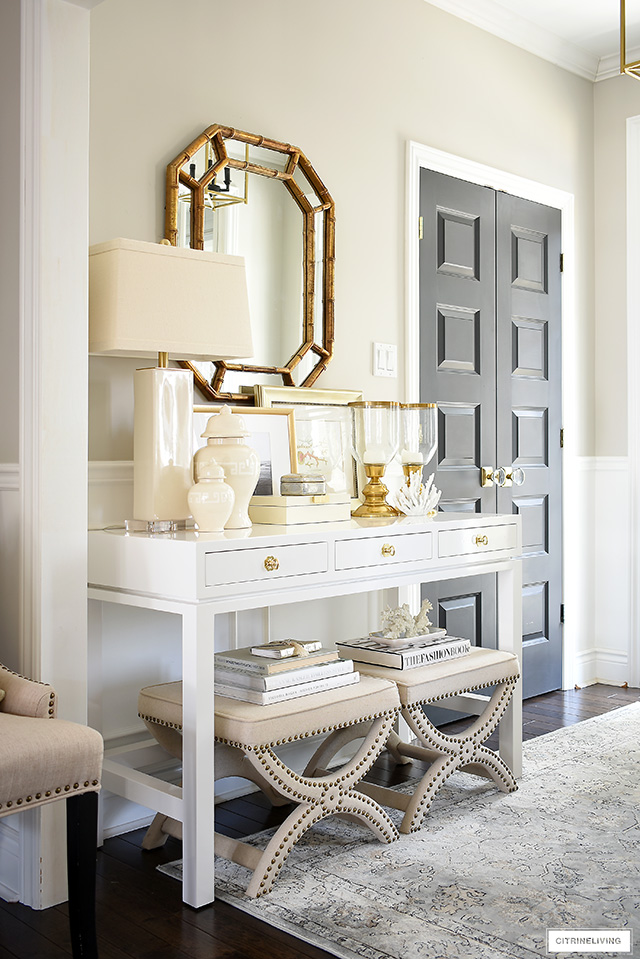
[244, 194]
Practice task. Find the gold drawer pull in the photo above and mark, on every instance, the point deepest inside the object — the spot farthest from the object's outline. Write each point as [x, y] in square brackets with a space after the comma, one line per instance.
[388, 550]
[271, 563]
[482, 541]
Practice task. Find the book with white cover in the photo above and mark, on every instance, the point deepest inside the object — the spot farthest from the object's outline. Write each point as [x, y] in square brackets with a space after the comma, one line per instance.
[366, 650]
[289, 677]
[245, 659]
[270, 696]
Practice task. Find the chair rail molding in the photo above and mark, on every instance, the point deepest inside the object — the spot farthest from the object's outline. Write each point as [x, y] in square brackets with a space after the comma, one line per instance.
[419, 156]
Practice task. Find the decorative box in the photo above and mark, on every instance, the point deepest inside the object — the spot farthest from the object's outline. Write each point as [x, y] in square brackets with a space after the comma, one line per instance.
[303, 484]
[291, 510]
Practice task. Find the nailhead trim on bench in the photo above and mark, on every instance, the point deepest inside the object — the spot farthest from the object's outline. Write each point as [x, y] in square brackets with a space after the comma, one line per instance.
[278, 742]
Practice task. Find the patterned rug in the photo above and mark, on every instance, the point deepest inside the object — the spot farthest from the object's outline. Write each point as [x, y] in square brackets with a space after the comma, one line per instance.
[488, 873]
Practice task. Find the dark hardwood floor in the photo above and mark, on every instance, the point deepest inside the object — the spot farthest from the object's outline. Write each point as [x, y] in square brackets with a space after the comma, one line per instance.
[141, 916]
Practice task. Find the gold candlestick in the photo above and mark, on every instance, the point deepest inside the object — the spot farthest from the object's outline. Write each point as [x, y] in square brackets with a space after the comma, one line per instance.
[375, 493]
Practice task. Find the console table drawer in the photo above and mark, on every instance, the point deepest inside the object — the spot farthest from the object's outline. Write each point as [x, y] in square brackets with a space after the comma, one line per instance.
[481, 539]
[383, 550]
[251, 565]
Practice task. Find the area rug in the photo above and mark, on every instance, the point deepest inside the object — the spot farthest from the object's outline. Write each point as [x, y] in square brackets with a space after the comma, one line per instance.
[488, 873]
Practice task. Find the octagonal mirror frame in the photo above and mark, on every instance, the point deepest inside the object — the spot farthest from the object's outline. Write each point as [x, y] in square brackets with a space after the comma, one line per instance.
[178, 174]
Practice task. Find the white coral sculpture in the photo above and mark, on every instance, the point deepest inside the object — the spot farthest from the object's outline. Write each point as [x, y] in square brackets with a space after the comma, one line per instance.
[422, 620]
[417, 498]
[398, 623]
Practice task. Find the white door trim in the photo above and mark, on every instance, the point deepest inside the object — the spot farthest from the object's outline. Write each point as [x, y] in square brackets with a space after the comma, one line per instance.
[633, 391]
[420, 156]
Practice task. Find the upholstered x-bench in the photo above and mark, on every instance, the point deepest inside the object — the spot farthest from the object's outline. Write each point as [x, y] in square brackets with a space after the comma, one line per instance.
[248, 738]
[446, 752]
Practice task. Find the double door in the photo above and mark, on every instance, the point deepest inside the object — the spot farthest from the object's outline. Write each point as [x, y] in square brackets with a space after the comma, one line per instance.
[490, 340]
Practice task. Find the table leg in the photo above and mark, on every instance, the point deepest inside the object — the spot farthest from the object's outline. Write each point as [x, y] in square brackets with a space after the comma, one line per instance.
[510, 639]
[197, 753]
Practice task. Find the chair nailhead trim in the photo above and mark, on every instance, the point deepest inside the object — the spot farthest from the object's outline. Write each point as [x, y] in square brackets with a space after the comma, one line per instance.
[49, 792]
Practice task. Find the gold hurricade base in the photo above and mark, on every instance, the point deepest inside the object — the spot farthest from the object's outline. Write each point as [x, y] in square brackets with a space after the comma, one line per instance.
[375, 493]
[409, 469]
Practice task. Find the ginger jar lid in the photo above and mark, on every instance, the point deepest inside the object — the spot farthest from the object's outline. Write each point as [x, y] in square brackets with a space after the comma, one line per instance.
[210, 470]
[225, 424]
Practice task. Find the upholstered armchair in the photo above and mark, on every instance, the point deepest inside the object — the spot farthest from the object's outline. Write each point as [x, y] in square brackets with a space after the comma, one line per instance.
[43, 760]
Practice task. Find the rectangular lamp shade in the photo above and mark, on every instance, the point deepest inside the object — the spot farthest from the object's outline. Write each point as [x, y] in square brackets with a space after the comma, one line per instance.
[147, 298]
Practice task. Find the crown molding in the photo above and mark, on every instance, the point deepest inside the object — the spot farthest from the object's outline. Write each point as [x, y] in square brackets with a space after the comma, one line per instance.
[610, 66]
[494, 18]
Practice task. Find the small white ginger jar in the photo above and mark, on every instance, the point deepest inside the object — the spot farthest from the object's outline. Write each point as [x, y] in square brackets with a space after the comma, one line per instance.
[211, 499]
[225, 435]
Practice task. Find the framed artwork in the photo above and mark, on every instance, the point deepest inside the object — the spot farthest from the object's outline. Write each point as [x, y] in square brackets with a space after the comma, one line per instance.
[322, 430]
[272, 434]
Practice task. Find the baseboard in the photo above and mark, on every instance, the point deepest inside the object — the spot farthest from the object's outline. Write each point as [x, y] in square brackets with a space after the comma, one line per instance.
[601, 665]
[10, 859]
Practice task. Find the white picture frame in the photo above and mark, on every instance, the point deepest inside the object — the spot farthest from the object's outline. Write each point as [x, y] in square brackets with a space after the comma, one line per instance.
[272, 434]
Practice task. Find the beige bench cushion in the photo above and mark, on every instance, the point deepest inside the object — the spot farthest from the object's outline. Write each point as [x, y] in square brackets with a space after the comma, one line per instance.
[479, 667]
[246, 724]
[45, 759]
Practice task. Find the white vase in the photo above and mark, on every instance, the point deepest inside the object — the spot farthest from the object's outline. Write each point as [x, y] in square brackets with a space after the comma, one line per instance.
[225, 435]
[211, 499]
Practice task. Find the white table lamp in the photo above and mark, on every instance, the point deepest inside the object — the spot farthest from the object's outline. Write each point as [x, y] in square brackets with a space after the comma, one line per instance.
[150, 299]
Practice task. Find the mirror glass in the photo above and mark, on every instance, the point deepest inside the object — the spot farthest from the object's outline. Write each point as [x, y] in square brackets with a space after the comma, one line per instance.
[260, 217]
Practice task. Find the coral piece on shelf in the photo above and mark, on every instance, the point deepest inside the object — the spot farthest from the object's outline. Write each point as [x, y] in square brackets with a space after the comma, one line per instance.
[416, 498]
[399, 623]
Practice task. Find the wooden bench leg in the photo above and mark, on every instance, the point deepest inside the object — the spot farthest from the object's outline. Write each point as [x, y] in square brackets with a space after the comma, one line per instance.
[82, 831]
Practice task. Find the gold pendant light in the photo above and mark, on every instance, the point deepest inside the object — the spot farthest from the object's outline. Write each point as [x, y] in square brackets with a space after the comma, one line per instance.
[631, 69]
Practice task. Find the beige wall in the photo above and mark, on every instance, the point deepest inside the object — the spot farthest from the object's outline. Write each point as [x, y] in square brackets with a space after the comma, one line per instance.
[350, 82]
[614, 101]
[10, 234]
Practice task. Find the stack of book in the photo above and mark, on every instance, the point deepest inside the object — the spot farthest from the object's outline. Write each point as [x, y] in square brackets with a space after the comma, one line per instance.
[277, 672]
[370, 649]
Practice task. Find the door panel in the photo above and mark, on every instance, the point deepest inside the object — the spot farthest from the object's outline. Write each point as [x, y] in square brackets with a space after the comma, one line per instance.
[457, 331]
[529, 385]
[467, 608]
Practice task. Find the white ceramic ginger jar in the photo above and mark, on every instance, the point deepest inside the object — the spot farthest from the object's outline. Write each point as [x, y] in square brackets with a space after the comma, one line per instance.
[211, 499]
[225, 435]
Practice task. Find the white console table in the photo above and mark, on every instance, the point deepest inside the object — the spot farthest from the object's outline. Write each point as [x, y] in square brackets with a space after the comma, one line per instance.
[198, 576]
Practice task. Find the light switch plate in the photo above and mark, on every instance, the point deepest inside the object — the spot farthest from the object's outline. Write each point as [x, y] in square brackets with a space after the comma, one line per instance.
[385, 359]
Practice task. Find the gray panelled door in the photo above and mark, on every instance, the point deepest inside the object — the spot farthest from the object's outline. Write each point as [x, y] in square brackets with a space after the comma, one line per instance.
[490, 325]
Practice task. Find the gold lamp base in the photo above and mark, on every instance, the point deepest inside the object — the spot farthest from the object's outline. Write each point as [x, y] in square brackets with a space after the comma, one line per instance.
[375, 493]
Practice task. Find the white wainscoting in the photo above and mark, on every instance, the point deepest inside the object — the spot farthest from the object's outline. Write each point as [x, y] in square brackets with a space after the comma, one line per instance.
[10, 828]
[603, 554]
[9, 565]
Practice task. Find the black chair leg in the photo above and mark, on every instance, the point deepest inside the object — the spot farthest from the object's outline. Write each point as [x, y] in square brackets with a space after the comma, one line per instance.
[82, 831]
